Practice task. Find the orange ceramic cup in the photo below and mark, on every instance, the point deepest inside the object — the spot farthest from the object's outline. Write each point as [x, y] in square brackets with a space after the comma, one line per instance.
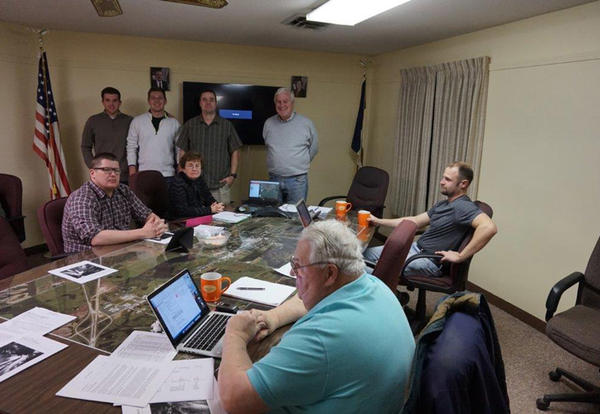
[363, 216]
[211, 286]
[341, 208]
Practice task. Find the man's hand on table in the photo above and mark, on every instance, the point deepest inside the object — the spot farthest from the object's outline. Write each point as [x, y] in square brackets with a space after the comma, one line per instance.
[154, 227]
[243, 325]
[267, 322]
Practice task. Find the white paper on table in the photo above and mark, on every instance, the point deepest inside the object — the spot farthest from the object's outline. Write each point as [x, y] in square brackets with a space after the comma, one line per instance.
[230, 217]
[36, 321]
[165, 238]
[291, 208]
[285, 270]
[190, 380]
[82, 272]
[118, 381]
[214, 404]
[147, 346]
[202, 230]
[272, 294]
[18, 354]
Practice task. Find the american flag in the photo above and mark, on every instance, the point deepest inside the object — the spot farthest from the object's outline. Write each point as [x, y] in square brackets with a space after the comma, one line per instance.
[46, 138]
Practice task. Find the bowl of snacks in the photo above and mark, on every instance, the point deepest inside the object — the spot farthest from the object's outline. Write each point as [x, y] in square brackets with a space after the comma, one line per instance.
[212, 239]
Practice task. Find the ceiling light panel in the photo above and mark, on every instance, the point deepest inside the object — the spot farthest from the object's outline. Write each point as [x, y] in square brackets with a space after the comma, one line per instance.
[351, 12]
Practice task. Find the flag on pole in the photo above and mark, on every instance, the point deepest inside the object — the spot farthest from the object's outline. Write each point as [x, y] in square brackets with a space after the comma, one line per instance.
[46, 138]
[356, 141]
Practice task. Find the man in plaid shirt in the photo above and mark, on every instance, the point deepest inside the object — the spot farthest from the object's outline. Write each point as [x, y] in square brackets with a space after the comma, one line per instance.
[100, 211]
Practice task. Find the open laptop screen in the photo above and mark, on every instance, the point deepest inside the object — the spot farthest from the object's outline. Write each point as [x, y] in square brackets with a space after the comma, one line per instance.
[303, 213]
[264, 190]
[179, 305]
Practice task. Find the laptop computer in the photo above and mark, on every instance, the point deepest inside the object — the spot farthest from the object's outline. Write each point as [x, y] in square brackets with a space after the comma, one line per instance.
[264, 193]
[185, 317]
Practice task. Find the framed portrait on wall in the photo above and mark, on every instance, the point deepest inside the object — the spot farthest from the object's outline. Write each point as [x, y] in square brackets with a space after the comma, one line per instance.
[299, 86]
[159, 78]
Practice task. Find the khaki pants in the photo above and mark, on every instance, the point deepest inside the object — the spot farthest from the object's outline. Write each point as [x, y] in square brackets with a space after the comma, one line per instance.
[222, 195]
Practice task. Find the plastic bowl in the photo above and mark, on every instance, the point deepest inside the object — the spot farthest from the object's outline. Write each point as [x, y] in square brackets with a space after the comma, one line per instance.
[213, 241]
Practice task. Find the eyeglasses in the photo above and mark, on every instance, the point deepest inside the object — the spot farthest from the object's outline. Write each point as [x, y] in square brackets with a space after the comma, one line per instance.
[108, 170]
[195, 165]
[296, 266]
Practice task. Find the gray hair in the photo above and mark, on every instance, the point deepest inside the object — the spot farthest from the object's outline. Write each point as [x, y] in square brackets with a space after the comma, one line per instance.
[285, 90]
[333, 242]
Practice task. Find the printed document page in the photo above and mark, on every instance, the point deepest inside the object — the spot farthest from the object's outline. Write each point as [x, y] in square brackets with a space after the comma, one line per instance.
[36, 321]
[147, 346]
[118, 381]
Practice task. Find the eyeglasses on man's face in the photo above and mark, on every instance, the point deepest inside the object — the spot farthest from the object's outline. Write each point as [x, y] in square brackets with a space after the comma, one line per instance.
[108, 170]
[296, 266]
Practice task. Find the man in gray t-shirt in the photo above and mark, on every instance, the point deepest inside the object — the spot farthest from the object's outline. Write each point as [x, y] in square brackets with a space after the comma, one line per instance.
[449, 221]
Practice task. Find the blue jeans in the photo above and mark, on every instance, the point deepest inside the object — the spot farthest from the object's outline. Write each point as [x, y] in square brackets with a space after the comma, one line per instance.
[418, 267]
[293, 189]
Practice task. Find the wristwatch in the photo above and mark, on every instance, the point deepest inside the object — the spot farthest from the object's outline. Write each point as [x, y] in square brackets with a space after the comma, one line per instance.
[234, 175]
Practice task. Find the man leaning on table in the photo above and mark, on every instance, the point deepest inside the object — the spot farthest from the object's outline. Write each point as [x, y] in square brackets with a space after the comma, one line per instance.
[349, 350]
[101, 211]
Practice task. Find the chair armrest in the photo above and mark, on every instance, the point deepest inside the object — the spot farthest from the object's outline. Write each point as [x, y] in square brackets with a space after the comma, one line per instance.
[326, 199]
[558, 289]
[421, 256]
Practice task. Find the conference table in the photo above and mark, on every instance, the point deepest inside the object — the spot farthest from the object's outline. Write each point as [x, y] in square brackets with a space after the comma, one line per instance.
[108, 309]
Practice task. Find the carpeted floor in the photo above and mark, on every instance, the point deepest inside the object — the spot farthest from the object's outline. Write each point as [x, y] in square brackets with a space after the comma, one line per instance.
[528, 357]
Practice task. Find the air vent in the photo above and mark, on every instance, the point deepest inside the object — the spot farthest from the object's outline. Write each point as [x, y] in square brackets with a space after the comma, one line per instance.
[301, 23]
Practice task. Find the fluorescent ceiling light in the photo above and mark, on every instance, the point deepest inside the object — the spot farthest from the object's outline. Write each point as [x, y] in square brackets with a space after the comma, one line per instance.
[351, 12]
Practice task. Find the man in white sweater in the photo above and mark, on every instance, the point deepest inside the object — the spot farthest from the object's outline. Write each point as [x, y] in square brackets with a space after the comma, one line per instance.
[151, 139]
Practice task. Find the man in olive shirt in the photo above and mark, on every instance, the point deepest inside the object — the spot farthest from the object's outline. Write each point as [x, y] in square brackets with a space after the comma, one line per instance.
[106, 132]
[218, 142]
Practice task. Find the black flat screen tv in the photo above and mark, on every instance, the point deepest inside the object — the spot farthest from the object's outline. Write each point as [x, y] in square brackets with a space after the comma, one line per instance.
[246, 106]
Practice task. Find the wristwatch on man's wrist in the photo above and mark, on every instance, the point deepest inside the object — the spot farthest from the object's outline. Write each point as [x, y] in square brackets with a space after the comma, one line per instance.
[234, 175]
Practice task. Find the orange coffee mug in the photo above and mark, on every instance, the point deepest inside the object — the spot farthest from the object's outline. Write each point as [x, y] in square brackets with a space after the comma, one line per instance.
[362, 233]
[211, 286]
[341, 208]
[363, 216]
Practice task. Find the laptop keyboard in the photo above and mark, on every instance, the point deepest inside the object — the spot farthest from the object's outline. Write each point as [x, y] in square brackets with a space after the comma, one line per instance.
[209, 334]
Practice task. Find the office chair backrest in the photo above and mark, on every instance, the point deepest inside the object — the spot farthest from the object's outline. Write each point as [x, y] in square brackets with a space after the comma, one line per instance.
[12, 256]
[394, 254]
[50, 216]
[11, 197]
[150, 187]
[369, 189]
[590, 290]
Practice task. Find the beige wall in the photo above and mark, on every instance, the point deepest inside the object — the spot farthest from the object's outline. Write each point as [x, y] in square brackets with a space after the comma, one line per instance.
[81, 64]
[541, 156]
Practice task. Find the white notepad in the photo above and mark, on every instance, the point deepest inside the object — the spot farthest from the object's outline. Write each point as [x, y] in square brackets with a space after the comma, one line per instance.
[229, 217]
[272, 293]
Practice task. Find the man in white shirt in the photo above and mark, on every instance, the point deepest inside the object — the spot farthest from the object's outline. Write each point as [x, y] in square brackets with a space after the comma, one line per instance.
[151, 139]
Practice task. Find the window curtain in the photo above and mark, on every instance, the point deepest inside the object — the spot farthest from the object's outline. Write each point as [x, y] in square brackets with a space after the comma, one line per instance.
[441, 119]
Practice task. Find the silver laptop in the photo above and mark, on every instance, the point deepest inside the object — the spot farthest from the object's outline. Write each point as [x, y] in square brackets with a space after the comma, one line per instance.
[304, 214]
[186, 319]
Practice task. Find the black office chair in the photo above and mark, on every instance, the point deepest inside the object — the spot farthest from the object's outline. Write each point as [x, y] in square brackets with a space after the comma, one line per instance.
[367, 191]
[576, 329]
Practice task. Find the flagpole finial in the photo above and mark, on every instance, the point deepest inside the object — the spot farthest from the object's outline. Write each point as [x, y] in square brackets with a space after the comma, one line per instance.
[41, 33]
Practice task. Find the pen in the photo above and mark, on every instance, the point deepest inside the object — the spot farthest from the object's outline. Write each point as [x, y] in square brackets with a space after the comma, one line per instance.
[250, 288]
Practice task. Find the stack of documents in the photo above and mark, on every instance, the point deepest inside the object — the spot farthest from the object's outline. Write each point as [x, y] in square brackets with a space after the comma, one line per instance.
[22, 343]
[291, 208]
[259, 291]
[230, 217]
[141, 377]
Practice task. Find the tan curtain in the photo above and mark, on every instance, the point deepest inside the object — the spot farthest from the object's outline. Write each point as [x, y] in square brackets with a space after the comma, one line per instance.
[456, 119]
[414, 139]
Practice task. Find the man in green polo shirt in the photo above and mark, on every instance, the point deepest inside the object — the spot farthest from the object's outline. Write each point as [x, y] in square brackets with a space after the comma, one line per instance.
[218, 142]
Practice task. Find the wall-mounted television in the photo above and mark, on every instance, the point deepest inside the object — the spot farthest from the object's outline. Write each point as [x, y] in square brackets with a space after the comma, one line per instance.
[246, 106]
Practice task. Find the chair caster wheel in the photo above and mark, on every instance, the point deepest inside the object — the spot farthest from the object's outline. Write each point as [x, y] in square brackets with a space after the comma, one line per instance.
[542, 404]
[554, 376]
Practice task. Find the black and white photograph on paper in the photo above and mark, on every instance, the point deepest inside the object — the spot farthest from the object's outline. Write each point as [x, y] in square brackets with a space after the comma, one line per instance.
[13, 355]
[19, 353]
[82, 272]
[180, 407]
[299, 86]
[159, 78]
